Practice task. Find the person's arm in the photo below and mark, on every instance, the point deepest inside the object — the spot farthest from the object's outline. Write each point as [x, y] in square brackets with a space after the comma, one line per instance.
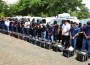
[75, 35]
[52, 31]
[70, 36]
[87, 37]
[20, 24]
[66, 31]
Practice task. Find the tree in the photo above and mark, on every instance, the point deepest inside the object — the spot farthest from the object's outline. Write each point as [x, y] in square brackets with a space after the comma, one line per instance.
[48, 8]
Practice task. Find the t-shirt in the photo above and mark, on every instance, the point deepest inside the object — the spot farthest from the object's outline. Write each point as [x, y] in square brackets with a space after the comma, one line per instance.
[22, 23]
[86, 29]
[43, 29]
[7, 23]
[11, 23]
[74, 31]
[27, 24]
[65, 28]
[51, 30]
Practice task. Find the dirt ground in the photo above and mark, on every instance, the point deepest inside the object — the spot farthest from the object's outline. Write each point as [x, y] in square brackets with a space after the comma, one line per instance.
[18, 52]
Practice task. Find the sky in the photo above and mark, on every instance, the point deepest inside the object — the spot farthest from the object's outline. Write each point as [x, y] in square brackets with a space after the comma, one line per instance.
[87, 2]
[10, 1]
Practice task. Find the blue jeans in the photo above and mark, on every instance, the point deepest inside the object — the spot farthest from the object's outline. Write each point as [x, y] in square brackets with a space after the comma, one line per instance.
[3, 26]
[16, 29]
[27, 31]
[84, 43]
[12, 28]
[7, 28]
[34, 33]
[22, 30]
[43, 35]
[51, 38]
[73, 43]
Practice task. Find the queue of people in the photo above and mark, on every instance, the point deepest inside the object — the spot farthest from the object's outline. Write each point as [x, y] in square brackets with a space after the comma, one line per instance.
[70, 33]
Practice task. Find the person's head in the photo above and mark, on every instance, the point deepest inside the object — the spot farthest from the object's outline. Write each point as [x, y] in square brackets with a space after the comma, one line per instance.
[68, 21]
[65, 22]
[22, 20]
[55, 22]
[88, 23]
[80, 24]
[33, 20]
[74, 24]
[28, 19]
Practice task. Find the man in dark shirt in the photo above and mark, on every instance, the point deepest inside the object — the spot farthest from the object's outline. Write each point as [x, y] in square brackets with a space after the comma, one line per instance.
[86, 39]
[22, 26]
[73, 35]
[16, 26]
[51, 33]
[43, 31]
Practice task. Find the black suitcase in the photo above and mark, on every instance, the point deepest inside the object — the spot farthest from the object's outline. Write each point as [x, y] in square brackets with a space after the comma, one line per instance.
[55, 48]
[33, 41]
[68, 53]
[42, 43]
[48, 45]
[16, 35]
[82, 56]
[38, 42]
[60, 48]
[23, 37]
[29, 38]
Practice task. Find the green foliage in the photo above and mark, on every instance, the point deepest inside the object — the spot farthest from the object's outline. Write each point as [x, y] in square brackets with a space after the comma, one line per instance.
[46, 8]
[2, 15]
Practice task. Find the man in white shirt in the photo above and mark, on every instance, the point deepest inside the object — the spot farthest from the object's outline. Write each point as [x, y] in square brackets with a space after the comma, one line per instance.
[65, 33]
[7, 23]
[27, 27]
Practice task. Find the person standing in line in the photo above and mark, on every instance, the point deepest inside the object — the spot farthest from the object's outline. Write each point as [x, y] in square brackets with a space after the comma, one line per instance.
[51, 33]
[65, 33]
[86, 39]
[12, 25]
[27, 26]
[7, 23]
[33, 28]
[74, 31]
[43, 30]
[22, 23]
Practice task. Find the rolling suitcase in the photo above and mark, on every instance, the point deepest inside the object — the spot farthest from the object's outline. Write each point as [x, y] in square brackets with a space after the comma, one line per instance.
[82, 56]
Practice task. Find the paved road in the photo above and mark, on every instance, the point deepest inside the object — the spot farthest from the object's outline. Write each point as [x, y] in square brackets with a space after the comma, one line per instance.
[18, 52]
